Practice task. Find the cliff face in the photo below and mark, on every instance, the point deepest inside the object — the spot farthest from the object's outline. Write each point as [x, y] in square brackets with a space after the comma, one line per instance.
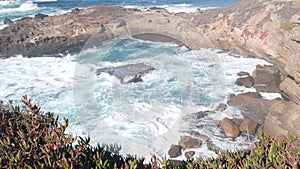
[258, 28]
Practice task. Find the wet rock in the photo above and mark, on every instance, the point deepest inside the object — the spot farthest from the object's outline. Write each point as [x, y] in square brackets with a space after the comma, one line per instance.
[221, 107]
[175, 151]
[187, 142]
[189, 154]
[236, 121]
[202, 114]
[7, 21]
[248, 126]
[242, 73]
[245, 81]
[267, 79]
[229, 128]
[40, 16]
[127, 73]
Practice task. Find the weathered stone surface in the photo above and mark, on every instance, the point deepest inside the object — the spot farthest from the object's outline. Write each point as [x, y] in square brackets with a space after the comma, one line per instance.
[7, 21]
[229, 128]
[245, 81]
[236, 121]
[127, 73]
[284, 118]
[189, 154]
[248, 126]
[187, 142]
[175, 151]
[267, 79]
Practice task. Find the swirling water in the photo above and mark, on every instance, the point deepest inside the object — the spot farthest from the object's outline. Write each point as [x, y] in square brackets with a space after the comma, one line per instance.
[142, 117]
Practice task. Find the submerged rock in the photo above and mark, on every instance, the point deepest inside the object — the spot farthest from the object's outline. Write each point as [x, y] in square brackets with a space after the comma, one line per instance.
[130, 73]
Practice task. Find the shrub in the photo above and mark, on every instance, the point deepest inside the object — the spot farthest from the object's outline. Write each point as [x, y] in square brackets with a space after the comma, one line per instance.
[30, 138]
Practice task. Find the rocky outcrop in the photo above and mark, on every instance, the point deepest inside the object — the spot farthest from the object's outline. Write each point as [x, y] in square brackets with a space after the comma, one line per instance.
[130, 73]
[245, 81]
[267, 79]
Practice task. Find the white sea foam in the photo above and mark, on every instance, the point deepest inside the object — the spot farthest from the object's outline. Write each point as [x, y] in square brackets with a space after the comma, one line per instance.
[26, 6]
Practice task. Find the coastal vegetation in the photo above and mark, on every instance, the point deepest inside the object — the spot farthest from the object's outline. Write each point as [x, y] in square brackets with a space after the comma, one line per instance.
[30, 138]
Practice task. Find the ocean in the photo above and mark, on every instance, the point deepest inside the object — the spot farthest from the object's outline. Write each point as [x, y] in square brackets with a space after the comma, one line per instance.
[145, 117]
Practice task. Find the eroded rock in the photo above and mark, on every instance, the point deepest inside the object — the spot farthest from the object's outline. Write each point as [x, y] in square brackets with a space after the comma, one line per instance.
[267, 79]
[248, 126]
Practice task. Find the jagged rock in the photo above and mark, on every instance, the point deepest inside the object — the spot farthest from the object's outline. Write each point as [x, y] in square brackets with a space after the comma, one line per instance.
[229, 128]
[40, 16]
[267, 79]
[202, 114]
[175, 151]
[127, 73]
[189, 154]
[7, 21]
[221, 107]
[245, 81]
[248, 126]
[187, 142]
[242, 73]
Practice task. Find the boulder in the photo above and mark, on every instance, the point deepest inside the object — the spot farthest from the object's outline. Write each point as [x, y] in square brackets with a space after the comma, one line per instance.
[242, 73]
[202, 114]
[236, 121]
[189, 154]
[248, 126]
[7, 21]
[187, 142]
[267, 79]
[245, 81]
[221, 107]
[175, 151]
[229, 128]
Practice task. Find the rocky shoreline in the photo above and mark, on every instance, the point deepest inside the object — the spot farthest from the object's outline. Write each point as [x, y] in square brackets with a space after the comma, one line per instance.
[256, 28]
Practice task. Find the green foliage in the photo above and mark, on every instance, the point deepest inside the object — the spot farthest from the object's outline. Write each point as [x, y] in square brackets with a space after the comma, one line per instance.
[287, 26]
[30, 138]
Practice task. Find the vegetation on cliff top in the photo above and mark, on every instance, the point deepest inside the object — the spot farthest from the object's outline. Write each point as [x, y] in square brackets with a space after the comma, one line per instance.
[30, 138]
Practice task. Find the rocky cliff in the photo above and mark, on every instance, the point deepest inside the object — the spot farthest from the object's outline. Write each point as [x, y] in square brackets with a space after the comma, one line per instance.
[257, 28]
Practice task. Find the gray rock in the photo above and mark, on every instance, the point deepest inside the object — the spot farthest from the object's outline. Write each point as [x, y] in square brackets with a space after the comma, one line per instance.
[7, 21]
[187, 142]
[221, 107]
[229, 128]
[267, 79]
[175, 151]
[242, 73]
[127, 73]
[245, 81]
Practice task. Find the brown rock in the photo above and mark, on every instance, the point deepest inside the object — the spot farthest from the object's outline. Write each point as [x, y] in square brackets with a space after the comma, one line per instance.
[245, 81]
[248, 126]
[175, 151]
[284, 118]
[187, 142]
[237, 121]
[229, 128]
[189, 154]
[267, 79]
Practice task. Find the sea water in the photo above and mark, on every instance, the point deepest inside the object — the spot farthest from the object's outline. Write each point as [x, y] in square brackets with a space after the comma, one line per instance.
[145, 117]
[16, 9]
